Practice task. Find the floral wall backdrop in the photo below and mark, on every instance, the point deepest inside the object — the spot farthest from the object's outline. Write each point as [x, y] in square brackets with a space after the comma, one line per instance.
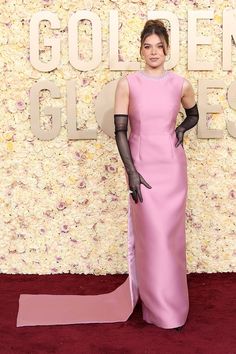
[64, 202]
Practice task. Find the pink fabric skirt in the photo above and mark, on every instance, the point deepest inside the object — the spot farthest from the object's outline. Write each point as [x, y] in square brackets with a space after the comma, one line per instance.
[116, 306]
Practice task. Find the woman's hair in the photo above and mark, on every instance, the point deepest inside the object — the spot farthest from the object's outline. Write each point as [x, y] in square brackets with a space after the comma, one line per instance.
[157, 27]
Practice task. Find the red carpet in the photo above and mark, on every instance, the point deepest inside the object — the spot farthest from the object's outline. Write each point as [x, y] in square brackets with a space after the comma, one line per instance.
[210, 328]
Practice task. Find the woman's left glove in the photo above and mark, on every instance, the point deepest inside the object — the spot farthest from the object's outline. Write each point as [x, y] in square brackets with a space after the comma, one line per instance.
[192, 117]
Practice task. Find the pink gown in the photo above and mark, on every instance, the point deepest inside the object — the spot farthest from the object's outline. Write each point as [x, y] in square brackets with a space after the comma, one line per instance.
[156, 227]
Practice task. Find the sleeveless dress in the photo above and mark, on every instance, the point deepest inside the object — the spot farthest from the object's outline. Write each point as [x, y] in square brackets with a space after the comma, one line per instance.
[156, 227]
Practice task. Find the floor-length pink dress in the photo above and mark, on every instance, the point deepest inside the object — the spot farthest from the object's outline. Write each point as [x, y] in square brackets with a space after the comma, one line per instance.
[156, 227]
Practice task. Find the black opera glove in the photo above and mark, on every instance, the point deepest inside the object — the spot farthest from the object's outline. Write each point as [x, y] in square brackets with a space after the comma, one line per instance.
[134, 177]
[192, 117]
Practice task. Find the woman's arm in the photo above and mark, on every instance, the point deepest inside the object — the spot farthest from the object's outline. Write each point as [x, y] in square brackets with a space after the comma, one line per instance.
[191, 110]
[121, 123]
[122, 97]
[188, 96]
[121, 128]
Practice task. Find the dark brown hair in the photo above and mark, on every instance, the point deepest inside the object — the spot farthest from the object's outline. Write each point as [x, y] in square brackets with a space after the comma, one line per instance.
[157, 27]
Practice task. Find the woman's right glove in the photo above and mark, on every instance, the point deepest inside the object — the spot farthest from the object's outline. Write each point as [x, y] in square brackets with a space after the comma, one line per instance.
[135, 178]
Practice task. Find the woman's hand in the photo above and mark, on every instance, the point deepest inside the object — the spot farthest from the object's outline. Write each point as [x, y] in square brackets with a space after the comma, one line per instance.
[180, 136]
[135, 179]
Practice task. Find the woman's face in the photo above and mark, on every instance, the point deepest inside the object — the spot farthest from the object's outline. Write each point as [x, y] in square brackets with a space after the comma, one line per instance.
[152, 51]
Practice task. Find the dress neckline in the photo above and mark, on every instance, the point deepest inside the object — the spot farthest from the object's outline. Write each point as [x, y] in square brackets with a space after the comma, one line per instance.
[154, 77]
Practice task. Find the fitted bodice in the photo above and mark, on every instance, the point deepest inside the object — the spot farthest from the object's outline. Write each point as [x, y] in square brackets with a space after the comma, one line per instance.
[154, 102]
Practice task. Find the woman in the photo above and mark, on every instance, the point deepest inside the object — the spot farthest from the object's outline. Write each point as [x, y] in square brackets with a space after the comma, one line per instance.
[156, 173]
[153, 157]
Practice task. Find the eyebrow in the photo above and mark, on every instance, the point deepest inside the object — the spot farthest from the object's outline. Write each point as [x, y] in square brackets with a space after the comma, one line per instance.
[149, 43]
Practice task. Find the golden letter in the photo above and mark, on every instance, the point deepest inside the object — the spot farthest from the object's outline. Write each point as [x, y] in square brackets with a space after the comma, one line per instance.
[204, 108]
[54, 43]
[194, 40]
[55, 112]
[73, 40]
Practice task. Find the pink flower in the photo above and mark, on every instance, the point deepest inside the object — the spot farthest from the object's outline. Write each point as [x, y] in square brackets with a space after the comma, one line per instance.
[65, 228]
[114, 197]
[110, 168]
[232, 194]
[47, 2]
[82, 184]
[61, 206]
[86, 201]
[20, 105]
[78, 155]
[48, 213]
[197, 225]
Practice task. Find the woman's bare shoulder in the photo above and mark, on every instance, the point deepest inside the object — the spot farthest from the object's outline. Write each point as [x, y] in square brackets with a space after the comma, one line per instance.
[123, 84]
[187, 86]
